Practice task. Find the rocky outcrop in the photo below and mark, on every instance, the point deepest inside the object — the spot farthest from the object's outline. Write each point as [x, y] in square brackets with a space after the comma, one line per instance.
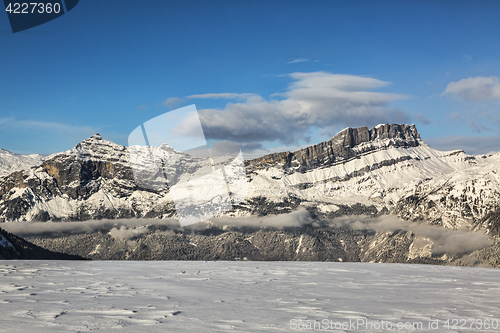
[80, 173]
[346, 145]
[79, 184]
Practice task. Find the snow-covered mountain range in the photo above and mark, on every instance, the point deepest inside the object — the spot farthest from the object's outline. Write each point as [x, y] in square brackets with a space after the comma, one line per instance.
[386, 170]
[10, 162]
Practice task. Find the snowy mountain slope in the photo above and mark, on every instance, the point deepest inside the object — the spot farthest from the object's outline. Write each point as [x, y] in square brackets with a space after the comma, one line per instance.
[10, 162]
[378, 177]
[387, 172]
[456, 200]
[93, 180]
[7, 250]
[386, 169]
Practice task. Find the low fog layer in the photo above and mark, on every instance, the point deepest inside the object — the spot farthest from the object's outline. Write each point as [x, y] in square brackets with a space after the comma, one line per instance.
[294, 219]
[444, 240]
[32, 228]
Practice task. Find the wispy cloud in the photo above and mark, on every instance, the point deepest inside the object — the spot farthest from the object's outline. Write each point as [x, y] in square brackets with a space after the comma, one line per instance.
[294, 61]
[128, 233]
[478, 127]
[13, 123]
[443, 240]
[142, 107]
[455, 116]
[119, 227]
[495, 118]
[172, 102]
[474, 89]
[235, 96]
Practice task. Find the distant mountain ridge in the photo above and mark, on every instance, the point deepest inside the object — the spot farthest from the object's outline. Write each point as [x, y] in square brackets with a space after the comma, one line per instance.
[10, 162]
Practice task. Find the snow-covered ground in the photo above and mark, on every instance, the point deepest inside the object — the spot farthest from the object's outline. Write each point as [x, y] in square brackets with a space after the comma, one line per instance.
[68, 296]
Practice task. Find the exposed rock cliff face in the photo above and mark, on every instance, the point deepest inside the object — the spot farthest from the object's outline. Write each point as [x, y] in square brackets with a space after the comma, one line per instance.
[60, 187]
[346, 145]
[78, 173]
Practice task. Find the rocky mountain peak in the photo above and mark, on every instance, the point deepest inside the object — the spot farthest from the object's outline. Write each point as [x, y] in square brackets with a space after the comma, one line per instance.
[97, 147]
[96, 136]
[407, 135]
[345, 145]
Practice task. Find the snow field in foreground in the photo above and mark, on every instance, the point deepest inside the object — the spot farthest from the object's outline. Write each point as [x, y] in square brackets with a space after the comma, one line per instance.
[146, 296]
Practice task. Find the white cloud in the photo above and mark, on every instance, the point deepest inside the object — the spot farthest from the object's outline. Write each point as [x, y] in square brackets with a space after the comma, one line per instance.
[128, 233]
[323, 86]
[317, 100]
[475, 88]
[13, 123]
[243, 96]
[294, 61]
[120, 226]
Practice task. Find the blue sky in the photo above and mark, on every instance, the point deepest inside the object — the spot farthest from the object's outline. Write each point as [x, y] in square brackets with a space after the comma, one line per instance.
[287, 73]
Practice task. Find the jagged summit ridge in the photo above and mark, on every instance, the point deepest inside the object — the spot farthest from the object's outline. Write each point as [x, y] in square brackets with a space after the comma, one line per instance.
[96, 136]
[400, 132]
[347, 144]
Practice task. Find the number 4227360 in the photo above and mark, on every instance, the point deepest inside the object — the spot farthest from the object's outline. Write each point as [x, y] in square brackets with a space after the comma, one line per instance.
[33, 7]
